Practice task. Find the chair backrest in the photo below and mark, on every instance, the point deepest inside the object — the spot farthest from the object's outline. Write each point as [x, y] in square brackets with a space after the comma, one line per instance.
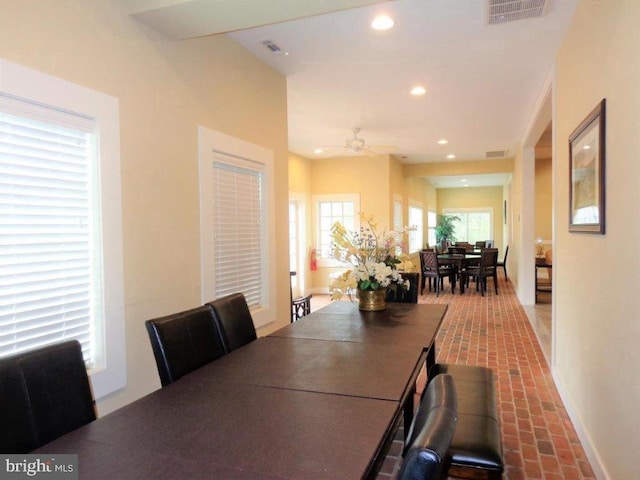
[184, 341]
[234, 320]
[431, 431]
[300, 307]
[457, 250]
[481, 244]
[44, 393]
[489, 258]
[410, 295]
[506, 252]
[428, 261]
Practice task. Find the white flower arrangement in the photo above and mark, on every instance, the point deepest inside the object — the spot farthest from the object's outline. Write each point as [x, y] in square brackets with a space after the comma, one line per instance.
[373, 256]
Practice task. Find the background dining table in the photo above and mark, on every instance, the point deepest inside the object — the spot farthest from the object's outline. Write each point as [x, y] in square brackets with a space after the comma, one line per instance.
[317, 399]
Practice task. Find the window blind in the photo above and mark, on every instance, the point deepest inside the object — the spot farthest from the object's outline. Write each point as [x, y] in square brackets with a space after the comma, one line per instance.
[47, 229]
[238, 231]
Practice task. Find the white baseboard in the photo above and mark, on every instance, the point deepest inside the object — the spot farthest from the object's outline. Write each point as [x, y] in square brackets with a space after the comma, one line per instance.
[585, 439]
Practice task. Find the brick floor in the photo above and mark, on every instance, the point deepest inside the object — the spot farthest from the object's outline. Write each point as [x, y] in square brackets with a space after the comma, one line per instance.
[538, 439]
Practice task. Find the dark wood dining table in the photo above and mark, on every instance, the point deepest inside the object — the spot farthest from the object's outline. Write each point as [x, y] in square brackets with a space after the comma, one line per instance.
[318, 399]
[459, 262]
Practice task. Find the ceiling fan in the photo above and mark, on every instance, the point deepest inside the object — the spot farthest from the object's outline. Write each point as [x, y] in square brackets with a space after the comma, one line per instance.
[355, 146]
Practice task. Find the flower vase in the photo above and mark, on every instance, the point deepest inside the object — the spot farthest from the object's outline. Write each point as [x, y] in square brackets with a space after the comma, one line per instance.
[372, 300]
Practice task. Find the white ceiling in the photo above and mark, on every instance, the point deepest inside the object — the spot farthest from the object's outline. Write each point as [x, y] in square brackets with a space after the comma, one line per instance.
[482, 81]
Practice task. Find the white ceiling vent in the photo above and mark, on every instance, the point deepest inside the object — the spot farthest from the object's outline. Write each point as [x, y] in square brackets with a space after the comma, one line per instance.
[502, 11]
[496, 154]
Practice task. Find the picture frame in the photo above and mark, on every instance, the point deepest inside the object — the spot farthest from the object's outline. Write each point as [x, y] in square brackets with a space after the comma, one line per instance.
[587, 155]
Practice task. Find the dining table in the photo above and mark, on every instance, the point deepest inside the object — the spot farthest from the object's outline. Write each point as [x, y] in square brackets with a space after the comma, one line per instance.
[459, 263]
[320, 398]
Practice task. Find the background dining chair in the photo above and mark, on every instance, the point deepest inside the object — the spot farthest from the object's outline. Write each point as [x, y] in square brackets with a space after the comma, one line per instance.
[183, 342]
[300, 307]
[44, 394]
[487, 269]
[431, 431]
[503, 263]
[481, 244]
[457, 250]
[234, 321]
[405, 296]
[433, 269]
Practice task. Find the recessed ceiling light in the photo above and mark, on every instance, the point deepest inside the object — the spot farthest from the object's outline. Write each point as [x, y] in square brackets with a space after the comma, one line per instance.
[418, 90]
[451, 156]
[464, 180]
[382, 22]
[443, 141]
[318, 150]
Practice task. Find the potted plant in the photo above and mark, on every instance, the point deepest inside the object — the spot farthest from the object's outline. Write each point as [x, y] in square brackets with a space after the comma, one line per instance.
[445, 228]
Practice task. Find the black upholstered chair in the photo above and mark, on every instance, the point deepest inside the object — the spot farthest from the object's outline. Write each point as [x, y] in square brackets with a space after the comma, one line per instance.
[409, 295]
[234, 321]
[481, 244]
[431, 431]
[433, 269]
[44, 393]
[503, 263]
[457, 250]
[184, 341]
[486, 269]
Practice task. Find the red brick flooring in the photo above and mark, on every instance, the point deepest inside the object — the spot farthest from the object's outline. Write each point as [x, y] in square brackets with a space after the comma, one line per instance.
[538, 438]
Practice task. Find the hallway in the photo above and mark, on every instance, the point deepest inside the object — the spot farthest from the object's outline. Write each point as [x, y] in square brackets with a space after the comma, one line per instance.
[538, 438]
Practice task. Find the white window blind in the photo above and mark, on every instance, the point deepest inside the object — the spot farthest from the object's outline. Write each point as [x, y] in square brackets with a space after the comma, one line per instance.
[398, 222]
[238, 230]
[49, 256]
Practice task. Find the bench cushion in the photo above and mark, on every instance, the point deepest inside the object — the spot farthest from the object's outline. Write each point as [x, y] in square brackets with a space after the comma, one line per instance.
[476, 444]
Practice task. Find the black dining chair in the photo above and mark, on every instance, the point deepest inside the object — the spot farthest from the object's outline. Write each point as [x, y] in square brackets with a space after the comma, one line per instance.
[300, 307]
[481, 244]
[503, 263]
[402, 295]
[234, 320]
[44, 393]
[183, 342]
[433, 269]
[431, 431]
[457, 250]
[486, 269]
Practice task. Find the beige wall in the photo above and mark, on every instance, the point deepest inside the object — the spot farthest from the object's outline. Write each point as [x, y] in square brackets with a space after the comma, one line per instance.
[544, 200]
[165, 90]
[476, 197]
[597, 327]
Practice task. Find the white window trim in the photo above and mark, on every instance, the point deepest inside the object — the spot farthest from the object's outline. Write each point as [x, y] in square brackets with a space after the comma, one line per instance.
[301, 261]
[489, 210]
[109, 374]
[211, 141]
[416, 204]
[339, 197]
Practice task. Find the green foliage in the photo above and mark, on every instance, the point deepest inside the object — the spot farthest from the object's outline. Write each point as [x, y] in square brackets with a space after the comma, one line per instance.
[445, 228]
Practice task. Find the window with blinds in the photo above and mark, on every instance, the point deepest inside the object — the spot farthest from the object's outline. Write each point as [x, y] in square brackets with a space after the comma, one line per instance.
[50, 255]
[415, 235]
[238, 229]
[398, 222]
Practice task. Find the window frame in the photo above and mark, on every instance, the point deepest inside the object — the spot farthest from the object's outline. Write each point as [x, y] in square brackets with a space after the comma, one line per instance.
[212, 142]
[465, 211]
[108, 372]
[418, 231]
[354, 198]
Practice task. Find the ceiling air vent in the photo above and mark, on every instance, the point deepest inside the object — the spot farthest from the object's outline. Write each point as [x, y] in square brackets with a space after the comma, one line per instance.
[503, 11]
[496, 154]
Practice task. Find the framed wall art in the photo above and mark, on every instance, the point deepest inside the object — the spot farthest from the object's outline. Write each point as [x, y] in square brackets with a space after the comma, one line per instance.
[587, 173]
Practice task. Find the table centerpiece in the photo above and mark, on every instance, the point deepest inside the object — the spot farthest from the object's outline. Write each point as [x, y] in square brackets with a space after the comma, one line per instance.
[376, 263]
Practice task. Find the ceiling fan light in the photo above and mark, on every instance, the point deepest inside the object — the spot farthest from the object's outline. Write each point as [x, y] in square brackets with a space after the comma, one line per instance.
[382, 22]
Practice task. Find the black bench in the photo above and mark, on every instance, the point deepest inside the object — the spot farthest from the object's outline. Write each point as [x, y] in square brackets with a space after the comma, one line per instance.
[476, 449]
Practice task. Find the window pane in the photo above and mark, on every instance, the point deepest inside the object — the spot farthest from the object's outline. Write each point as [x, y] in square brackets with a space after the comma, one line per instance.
[49, 230]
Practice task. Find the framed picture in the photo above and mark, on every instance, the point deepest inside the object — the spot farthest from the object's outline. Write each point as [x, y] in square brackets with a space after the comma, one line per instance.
[586, 173]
